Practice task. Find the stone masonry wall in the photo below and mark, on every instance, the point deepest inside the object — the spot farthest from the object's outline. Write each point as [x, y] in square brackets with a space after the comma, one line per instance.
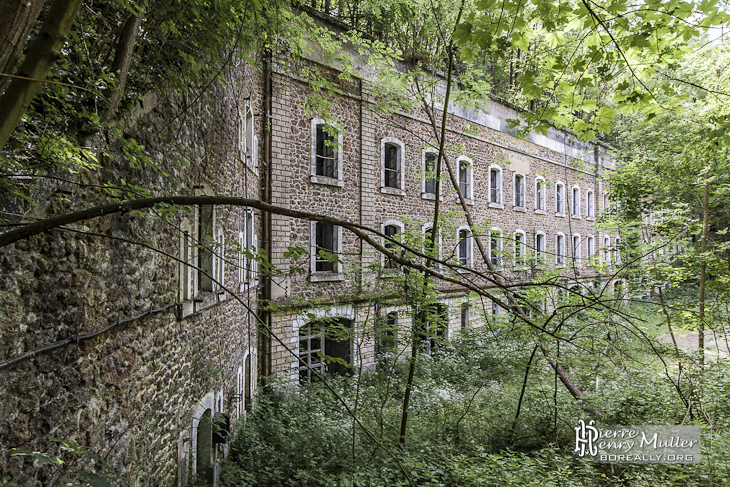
[129, 394]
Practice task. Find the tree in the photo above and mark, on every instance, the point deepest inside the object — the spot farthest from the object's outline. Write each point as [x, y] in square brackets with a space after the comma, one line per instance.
[191, 68]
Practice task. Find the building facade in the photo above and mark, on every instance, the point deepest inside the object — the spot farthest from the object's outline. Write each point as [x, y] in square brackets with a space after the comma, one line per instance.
[145, 337]
[533, 202]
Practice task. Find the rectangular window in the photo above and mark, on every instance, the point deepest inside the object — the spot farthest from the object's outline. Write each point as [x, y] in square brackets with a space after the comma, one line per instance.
[187, 264]
[429, 169]
[310, 353]
[576, 249]
[560, 199]
[250, 247]
[465, 248]
[575, 209]
[519, 248]
[324, 348]
[392, 232]
[392, 165]
[560, 250]
[465, 176]
[434, 251]
[205, 248]
[465, 316]
[540, 248]
[540, 195]
[431, 324]
[519, 191]
[495, 248]
[326, 247]
[386, 340]
[590, 247]
[495, 184]
[589, 204]
[326, 151]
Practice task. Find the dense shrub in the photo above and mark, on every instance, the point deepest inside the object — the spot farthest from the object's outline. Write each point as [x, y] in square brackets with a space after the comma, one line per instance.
[462, 429]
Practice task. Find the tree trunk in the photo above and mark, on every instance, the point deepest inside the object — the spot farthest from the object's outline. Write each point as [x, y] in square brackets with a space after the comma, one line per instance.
[123, 59]
[703, 265]
[17, 18]
[42, 53]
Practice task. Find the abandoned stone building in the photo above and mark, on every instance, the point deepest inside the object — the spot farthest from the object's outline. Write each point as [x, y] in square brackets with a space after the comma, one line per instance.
[143, 338]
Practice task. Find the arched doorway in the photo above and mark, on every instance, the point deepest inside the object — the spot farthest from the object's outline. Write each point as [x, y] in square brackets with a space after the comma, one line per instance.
[204, 448]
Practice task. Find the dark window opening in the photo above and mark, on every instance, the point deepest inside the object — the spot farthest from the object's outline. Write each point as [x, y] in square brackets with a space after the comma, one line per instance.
[392, 232]
[326, 151]
[560, 250]
[431, 324]
[465, 316]
[464, 250]
[519, 191]
[326, 247]
[519, 248]
[464, 186]
[204, 448]
[495, 182]
[324, 348]
[392, 165]
[205, 253]
[431, 247]
[430, 170]
[494, 249]
[386, 335]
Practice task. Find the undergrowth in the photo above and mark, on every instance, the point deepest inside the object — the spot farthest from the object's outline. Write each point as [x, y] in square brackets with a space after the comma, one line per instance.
[463, 429]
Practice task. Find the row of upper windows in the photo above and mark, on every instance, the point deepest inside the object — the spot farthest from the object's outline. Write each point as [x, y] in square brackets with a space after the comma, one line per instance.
[203, 256]
[326, 168]
[326, 246]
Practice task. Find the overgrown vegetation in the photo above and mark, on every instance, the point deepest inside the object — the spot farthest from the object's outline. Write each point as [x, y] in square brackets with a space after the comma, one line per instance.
[463, 429]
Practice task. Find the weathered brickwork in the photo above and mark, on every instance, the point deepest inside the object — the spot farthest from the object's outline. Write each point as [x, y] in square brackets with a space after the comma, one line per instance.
[140, 391]
[484, 137]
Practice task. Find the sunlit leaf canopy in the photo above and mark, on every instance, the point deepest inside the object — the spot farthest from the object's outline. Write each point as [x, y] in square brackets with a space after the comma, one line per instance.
[594, 57]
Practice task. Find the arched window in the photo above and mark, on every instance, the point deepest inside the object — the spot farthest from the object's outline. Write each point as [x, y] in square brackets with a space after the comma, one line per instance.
[519, 248]
[540, 247]
[465, 246]
[428, 189]
[326, 153]
[393, 231]
[590, 203]
[495, 185]
[560, 249]
[560, 198]
[392, 161]
[540, 194]
[465, 177]
[576, 250]
[575, 202]
[519, 186]
[590, 248]
[204, 448]
[427, 249]
[495, 247]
